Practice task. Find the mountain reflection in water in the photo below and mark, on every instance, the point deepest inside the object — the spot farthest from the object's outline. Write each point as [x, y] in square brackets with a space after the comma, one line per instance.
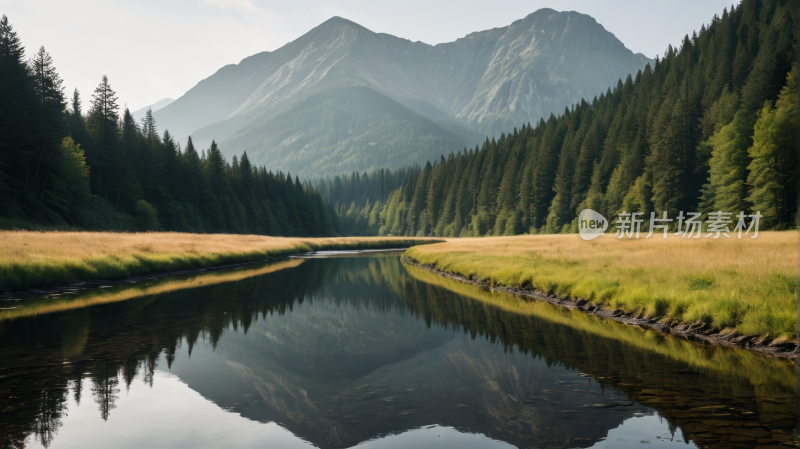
[362, 351]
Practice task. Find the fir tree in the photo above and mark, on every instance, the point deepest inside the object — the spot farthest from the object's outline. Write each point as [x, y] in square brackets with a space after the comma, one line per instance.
[728, 165]
[773, 153]
[102, 127]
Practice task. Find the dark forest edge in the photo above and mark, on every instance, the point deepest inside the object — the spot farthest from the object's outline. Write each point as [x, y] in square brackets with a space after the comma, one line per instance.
[63, 169]
[712, 126]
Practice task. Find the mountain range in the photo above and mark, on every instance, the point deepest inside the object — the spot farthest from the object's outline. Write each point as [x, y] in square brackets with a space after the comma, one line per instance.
[342, 98]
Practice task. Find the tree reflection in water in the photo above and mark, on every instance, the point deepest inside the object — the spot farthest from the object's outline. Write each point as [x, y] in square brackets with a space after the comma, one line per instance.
[345, 350]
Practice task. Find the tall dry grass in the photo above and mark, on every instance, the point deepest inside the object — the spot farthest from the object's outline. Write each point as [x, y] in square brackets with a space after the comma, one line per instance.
[30, 258]
[746, 284]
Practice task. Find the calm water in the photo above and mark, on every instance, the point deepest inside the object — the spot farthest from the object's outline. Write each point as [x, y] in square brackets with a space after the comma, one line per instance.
[364, 352]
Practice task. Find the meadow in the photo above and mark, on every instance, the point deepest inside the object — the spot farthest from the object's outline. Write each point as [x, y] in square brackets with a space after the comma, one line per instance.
[747, 285]
[32, 259]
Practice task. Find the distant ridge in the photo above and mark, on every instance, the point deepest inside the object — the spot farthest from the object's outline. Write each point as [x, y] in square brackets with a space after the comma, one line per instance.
[485, 83]
[139, 113]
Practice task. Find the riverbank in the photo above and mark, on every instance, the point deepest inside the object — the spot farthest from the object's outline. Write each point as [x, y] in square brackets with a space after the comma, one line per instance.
[30, 259]
[734, 292]
[498, 312]
[61, 299]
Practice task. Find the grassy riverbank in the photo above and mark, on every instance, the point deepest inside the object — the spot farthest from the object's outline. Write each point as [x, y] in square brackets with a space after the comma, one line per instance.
[125, 292]
[30, 259]
[751, 367]
[748, 285]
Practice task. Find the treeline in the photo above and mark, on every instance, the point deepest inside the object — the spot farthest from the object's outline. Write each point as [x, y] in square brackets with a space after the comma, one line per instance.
[350, 195]
[60, 166]
[712, 126]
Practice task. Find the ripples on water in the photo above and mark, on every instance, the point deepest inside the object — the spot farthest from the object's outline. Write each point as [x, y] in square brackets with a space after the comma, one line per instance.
[364, 352]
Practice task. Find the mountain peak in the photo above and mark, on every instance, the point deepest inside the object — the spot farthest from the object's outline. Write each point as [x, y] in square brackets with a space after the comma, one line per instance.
[560, 18]
[448, 95]
[542, 11]
[337, 21]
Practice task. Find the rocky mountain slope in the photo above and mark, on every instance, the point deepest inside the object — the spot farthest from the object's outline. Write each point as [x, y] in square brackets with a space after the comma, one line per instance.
[439, 98]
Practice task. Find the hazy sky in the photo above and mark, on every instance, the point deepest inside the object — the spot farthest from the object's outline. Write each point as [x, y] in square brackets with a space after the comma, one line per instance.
[153, 49]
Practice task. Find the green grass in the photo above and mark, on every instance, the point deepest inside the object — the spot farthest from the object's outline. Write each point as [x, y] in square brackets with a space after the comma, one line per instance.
[746, 285]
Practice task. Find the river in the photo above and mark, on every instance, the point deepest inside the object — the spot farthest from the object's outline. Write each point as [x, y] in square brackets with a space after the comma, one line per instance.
[362, 351]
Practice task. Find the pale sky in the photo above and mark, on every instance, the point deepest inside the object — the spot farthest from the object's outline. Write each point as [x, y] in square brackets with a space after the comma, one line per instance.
[154, 49]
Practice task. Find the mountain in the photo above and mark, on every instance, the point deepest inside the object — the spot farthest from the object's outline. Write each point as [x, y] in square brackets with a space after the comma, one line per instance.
[483, 84]
[700, 130]
[341, 130]
[139, 113]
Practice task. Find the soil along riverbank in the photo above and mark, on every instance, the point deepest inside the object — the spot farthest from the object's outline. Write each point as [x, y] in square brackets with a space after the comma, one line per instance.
[33, 259]
[733, 292]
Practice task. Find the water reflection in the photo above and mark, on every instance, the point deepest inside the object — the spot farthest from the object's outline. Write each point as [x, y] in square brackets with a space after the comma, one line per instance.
[362, 351]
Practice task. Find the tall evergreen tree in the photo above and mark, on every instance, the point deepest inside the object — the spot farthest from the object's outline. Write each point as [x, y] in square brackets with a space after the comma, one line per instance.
[17, 114]
[772, 173]
[728, 165]
[102, 127]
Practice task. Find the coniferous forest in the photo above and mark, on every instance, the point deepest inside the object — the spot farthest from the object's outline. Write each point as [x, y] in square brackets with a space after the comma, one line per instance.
[712, 126]
[353, 195]
[92, 166]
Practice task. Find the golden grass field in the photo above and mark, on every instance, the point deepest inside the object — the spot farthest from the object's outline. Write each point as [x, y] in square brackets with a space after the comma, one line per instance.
[32, 258]
[747, 284]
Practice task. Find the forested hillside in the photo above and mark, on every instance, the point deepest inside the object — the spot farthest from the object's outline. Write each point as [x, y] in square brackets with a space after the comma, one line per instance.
[101, 170]
[351, 194]
[361, 188]
[711, 126]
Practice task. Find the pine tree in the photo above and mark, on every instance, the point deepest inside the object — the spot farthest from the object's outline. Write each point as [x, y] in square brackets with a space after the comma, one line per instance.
[246, 176]
[149, 128]
[589, 154]
[129, 189]
[215, 170]
[666, 162]
[17, 113]
[638, 198]
[102, 127]
[728, 165]
[545, 171]
[76, 124]
[192, 171]
[47, 87]
[773, 153]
